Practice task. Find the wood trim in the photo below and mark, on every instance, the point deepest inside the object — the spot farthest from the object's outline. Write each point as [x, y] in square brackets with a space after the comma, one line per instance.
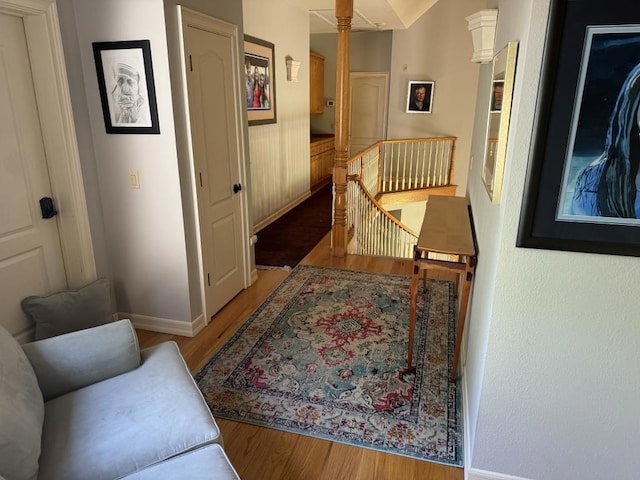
[383, 211]
[344, 13]
[391, 199]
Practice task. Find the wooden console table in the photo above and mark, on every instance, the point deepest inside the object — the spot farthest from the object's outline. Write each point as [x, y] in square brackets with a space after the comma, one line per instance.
[446, 242]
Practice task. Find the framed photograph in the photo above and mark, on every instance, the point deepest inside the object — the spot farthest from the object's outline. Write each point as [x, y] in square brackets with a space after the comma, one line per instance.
[582, 185]
[260, 80]
[497, 93]
[127, 90]
[420, 96]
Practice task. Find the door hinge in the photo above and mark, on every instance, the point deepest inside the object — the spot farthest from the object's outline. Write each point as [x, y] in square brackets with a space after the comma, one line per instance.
[190, 63]
[209, 279]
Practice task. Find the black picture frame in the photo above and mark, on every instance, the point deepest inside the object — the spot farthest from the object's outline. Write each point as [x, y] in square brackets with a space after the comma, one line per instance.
[427, 103]
[260, 61]
[127, 88]
[585, 70]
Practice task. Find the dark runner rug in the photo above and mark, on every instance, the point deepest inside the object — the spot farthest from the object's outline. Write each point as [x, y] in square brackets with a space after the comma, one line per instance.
[324, 356]
[290, 238]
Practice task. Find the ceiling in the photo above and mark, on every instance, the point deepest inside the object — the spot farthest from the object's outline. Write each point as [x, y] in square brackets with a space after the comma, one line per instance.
[368, 15]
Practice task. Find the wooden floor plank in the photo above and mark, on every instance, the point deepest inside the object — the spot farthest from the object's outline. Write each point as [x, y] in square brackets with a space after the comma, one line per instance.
[260, 453]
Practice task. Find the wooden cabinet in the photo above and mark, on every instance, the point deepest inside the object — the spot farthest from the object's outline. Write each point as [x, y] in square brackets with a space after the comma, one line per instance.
[322, 153]
[316, 83]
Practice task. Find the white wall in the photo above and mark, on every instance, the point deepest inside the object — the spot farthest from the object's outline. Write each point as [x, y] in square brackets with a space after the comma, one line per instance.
[553, 336]
[368, 52]
[279, 153]
[143, 229]
[437, 47]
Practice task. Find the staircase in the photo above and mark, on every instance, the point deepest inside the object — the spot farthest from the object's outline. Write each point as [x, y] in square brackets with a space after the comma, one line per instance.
[390, 173]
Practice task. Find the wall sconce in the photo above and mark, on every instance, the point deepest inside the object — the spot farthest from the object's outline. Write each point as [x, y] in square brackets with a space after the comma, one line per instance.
[293, 66]
[482, 26]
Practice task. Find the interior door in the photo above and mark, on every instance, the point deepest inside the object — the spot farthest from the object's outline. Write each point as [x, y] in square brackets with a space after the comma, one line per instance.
[214, 111]
[369, 100]
[30, 254]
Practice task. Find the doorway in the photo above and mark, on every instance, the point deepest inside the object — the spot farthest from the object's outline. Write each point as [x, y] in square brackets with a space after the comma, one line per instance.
[369, 105]
[37, 255]
[210, 49]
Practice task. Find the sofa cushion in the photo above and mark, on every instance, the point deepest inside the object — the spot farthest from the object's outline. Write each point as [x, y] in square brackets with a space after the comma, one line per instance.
[70, 310]
[124, 424]
[68, 362]
[21, 412]
[205, 463]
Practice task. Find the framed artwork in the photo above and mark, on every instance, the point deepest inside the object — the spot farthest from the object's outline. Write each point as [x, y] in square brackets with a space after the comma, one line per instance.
[503, 73]
[260, 80]
[582, 185]
[127, 90]
[497, 94]
[420, 96]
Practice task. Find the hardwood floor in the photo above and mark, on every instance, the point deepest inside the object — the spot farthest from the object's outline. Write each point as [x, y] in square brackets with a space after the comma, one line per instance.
[260, 453]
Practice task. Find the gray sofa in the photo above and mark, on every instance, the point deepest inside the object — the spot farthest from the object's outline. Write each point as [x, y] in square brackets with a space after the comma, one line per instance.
[91, 405]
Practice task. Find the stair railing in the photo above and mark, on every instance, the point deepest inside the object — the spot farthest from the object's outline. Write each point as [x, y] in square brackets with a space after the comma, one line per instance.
[392, 166]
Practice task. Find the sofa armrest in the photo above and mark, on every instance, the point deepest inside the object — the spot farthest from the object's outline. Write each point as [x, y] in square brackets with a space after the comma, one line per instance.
[78, 359]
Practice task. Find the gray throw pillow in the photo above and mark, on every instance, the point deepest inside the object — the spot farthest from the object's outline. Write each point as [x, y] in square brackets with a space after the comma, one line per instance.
[70, 310]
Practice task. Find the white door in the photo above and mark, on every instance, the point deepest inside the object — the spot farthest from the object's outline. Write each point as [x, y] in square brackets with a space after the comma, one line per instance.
[369, 99]
[214, 113]
[30, 254]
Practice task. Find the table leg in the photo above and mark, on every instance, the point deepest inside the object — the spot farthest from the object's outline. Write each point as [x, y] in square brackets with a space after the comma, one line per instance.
[415, 279]
[464, 300]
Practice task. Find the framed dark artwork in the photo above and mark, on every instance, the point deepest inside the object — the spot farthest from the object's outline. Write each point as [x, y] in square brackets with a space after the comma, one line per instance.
[420, 96]
[127, 89]
[581, 192]
[260, 81]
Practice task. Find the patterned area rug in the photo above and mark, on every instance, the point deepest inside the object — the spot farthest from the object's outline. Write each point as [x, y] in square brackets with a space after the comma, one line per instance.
[324, 356]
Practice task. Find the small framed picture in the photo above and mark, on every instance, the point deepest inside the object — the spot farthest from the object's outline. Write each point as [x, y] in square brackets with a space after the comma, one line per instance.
[127, 90]
[420, 96]
[497, 92]
[259, 62]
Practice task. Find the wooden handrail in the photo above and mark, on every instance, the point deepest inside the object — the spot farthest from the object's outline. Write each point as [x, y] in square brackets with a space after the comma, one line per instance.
[383, 211]
[417, 168]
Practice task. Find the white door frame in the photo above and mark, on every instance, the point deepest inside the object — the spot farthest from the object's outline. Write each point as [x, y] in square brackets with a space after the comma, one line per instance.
[206, 22]
[42, 30]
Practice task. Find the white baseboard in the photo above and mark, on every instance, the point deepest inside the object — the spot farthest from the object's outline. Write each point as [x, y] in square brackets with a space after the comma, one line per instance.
[469, 472]
[276, 215]
[165, 325]
[254, 276]
[465, 418]
[477, 474]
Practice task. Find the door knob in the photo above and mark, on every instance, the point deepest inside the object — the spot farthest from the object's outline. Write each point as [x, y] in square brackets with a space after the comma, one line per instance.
[237, 187]
[47, 208]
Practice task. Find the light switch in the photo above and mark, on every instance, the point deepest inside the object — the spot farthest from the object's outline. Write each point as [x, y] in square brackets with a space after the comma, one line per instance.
[134, 179]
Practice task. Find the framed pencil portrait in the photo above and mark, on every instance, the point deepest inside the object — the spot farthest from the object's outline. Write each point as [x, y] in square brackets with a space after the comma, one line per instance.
[260, 80]
[581, 192]
[127, 89]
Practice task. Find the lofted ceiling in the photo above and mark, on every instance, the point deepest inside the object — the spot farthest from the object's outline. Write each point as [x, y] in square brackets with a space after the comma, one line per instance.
[368, 15]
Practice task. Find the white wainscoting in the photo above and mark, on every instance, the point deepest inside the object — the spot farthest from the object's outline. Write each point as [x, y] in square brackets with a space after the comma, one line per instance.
[279, 164]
